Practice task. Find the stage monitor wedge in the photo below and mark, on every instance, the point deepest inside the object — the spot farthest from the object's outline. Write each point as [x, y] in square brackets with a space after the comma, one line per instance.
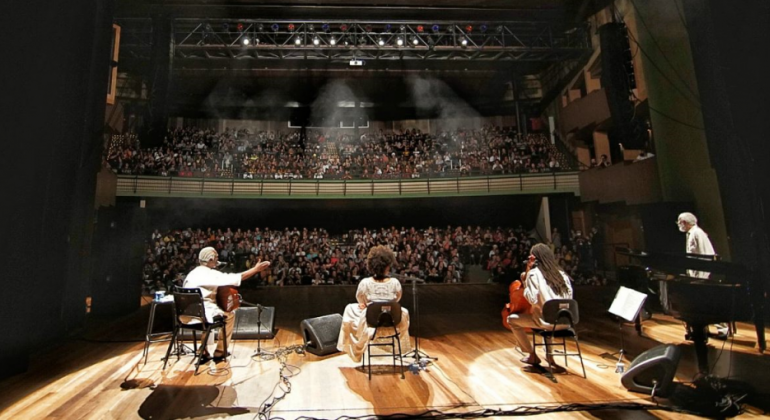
[653, 369]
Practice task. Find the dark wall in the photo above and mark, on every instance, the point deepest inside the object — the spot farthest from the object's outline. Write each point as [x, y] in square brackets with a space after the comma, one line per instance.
[726, 41]
[339, 215]
[55, 62]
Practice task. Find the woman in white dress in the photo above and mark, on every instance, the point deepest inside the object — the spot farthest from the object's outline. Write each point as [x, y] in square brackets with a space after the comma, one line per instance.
[355, 334]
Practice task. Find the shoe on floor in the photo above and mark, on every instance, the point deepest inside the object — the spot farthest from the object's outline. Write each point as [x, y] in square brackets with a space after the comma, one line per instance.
[221, 357]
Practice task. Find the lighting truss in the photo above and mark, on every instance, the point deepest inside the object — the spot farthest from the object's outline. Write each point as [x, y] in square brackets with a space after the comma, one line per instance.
[342, 41]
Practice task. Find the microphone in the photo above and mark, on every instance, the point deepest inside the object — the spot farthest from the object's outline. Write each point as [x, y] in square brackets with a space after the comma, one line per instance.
[221, 263]
[407, 278]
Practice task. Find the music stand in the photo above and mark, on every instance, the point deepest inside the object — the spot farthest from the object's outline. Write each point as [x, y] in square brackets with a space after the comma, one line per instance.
[626, 305]
[417, 354]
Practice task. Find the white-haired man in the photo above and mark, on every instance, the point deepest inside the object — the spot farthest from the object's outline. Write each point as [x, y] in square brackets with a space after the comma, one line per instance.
[698, 242]
[208, 280]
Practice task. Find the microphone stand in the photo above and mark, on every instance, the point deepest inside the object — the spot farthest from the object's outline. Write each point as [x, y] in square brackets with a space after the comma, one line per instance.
[261, 354]
[417, 354]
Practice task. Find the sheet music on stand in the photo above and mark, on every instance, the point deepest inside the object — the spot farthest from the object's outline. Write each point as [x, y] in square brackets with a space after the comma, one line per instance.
[627, 303]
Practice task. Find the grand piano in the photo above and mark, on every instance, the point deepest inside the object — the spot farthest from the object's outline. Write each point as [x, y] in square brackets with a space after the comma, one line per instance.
[702, 290]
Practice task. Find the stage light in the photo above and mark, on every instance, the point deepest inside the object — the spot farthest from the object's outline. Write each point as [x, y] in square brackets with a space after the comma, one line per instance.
[402, 28]
[399, 41]
[415, 41]
[291, 26]
[275, 27]
[435, 28]
[325, 27]
[362, 41]
[464, 42]
[381, 41]
[499, 28]
[316, 41]
[368, 28]
[484, 27]
[388, 27]
[260, 27]
[420, 28]
[469, 29]
[245, 40]
[310, 27]
[332, 42]
[297, 41]
[343, 27]
[240, 27]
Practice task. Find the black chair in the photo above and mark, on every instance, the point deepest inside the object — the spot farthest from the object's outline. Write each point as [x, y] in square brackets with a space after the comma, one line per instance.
[384, 314]
[191, 315]
[563, 315]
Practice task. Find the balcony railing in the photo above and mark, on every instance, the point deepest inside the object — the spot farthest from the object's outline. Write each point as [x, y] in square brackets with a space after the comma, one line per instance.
[155, 186]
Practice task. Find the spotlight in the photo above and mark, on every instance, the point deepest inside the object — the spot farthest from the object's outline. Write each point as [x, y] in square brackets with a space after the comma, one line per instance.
[435, 28]
[469, 29]
[402, 28]
[310, 27]
[484, 27]
[362, 41]
[420, 28]
[368, 28]
[245, 40]
[260, 27]
[240, 27]
[388, 27]
[325, 27]
[343, 27]
[332, 42]
[499, 28]
[297, 41]
[464, 42]
[291, 27]
[380, 41]
[275, 27]
[399, 41]
[415, 41]
[316, 41]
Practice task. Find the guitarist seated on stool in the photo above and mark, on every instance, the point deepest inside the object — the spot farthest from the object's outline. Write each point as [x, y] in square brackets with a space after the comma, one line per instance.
[542, 281]
[208, 280]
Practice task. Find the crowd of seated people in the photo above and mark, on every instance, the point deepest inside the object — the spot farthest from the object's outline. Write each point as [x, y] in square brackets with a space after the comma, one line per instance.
[314, 257]
[319, 155]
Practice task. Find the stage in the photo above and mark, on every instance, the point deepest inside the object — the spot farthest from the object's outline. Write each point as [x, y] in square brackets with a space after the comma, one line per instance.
[100, 373]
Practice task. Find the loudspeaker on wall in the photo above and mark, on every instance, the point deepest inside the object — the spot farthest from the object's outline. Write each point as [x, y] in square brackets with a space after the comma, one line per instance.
[320, 334]
[653, 369]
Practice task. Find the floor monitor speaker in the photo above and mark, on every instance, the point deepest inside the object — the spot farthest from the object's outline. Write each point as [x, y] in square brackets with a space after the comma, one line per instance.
[321, 333]
[653, 369]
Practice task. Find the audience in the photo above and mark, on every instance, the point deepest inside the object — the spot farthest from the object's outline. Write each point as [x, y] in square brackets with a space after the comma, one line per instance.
[318, 155]
[314, 257]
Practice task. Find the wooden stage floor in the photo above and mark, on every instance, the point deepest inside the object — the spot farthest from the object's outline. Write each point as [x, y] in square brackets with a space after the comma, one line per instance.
[101, 375]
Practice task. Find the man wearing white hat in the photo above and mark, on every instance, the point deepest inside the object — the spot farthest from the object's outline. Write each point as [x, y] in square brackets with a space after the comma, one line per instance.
[208, 280]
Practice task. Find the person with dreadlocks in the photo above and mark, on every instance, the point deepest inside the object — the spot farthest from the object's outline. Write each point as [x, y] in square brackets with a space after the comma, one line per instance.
[544, 280]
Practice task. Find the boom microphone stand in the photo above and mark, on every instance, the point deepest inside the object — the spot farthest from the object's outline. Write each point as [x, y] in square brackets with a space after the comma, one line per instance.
[417, 354]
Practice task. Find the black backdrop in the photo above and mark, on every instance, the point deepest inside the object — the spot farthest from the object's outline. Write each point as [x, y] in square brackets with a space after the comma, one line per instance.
[339, 215]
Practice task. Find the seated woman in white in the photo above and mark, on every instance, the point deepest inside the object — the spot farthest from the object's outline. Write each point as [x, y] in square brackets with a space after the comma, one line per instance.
[355, 334]
[542, 283]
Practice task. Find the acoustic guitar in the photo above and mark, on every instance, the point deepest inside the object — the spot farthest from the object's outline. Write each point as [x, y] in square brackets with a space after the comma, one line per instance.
[228, 298]
[517, 303]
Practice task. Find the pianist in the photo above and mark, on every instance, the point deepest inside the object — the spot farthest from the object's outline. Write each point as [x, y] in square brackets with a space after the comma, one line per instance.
[698, 242]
